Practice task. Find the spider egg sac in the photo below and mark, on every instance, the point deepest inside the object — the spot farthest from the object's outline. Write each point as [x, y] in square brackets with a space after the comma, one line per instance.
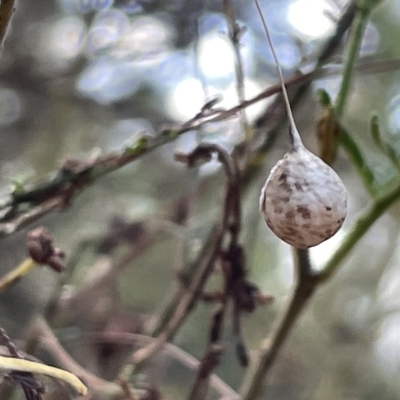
[304, 201]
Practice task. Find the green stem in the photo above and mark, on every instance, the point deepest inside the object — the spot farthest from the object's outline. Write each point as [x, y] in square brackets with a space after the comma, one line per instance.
[351, 55]
[350, 58]
[362, 225]
[16, 274]
[359, 163]
[305, 287]
[7, 8]
[234, 36]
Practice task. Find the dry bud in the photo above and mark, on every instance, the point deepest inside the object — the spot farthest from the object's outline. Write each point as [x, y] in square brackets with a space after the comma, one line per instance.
[304, 202]
[41, 249]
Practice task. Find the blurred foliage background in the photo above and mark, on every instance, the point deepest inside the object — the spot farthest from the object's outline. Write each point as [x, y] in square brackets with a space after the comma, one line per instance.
[83, 77]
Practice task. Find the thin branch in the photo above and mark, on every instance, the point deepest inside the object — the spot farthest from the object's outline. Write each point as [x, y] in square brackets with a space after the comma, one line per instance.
[57, 193]
[7, 8]
[170, 349]
[187, 303]
[26, 218]
[206, 264]
[42, 331]
[186, 278]
[16, 274]
[343, 24]
[83, 299]
[235, 33]
[16, 365]
[208, 363]
[351, 55]
[366, 219]
[266, 355]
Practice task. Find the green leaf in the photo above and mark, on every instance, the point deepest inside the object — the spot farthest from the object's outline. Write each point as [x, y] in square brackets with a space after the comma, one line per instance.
[392, 155]
[376, 133]
[173, 133]
[324, 98]
[17, 187]
[138, 147]
[386, 148]
[368, 4]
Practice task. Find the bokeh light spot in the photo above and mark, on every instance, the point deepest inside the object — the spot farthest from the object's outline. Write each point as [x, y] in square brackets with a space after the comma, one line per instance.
[106, 29]
[216, 57]
[107, 81]
[62, 43]
[308, 18]
[185, 100]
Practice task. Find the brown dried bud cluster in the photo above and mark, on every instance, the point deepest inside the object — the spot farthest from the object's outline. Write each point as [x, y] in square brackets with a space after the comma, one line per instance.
[40, 247]
[304, 202]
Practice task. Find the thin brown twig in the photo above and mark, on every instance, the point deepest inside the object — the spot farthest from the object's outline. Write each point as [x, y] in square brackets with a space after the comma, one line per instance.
[235, 33]
[84, 297]
[186, 304]
[206, 265]
[212, 354]
[75, 174]
[7, 8]
[186, 277]
[129, 394]
[56, 193]
[30, 216]
[207, 364]
[41, 330]
[6, 340]
[170, 349]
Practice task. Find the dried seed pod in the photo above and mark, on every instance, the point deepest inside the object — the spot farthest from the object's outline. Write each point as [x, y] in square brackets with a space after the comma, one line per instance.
[304, 202]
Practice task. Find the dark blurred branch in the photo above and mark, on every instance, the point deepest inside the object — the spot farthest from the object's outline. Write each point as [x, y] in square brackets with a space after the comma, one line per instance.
[41, 330]
[27, 217]
[87, 295]
[6, 341]
[31, 386]
[187, 302]
[342, 26]
[208, 363]
[228, 223]
[185, 279]
[169, 349]
[7, 8]
[235, 33]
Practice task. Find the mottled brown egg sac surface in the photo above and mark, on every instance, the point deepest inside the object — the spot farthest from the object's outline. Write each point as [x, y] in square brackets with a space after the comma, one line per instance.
[304, 201]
